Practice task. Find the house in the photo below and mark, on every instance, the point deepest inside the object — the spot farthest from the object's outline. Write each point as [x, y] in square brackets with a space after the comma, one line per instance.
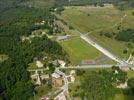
[57, 80]
[62, 63]
[62, 38]
[72, 72]
[122, 85]
[71, 77]
[36, 78]
[39, 64]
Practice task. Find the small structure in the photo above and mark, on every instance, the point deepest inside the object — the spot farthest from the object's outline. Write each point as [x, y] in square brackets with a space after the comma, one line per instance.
[62, 38]
[44, 98]
[57, 80]
[62, 63]
[39, 64]
[88, 62]
[122, 85]
[72, 72]
[40, 23]
[36, 78]
[71, 77]
[44, 76]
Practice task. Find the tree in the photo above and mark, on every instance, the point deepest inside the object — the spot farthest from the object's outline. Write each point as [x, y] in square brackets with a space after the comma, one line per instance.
[125, 51]
[131, 84]
[133, 13]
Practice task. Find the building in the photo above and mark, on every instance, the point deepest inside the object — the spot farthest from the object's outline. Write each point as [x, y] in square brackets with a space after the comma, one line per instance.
[39, 64]
[62, 38]
[57, 80]
[62, 63]
[36, 78]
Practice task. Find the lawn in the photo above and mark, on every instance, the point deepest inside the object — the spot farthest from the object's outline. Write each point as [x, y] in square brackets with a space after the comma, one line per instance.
[79, 50]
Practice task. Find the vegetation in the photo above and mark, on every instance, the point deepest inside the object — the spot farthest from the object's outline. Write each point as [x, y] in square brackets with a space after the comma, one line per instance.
[92, 24]
[17, 20]
[96, 84]
[121, 4]
[79, 50]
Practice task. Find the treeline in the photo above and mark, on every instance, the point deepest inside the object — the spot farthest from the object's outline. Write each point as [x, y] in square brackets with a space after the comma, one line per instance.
[124, 35]
[121, 4]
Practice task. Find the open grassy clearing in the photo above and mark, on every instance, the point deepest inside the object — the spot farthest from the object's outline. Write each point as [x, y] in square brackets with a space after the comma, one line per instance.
[100, 19]
[112, 45]
[79, 50]
[88, 18]
[91, 18]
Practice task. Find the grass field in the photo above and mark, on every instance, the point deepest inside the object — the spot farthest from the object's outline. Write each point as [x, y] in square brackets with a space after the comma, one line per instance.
[88, 18]
[79, 50]
[100, 19]
[112, 45]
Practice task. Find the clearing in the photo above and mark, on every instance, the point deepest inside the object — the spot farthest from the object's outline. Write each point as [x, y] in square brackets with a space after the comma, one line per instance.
[93, 20]
[79, 50]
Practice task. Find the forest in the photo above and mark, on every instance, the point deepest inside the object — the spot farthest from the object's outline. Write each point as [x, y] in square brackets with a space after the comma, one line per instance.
[17, 21]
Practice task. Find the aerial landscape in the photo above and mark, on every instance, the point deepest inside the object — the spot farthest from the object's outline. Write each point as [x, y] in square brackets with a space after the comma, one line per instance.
[66, 49]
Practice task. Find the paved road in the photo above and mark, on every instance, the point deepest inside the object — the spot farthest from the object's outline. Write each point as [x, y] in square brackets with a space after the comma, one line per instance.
[94, 66]
[101, 49]
[65, 87]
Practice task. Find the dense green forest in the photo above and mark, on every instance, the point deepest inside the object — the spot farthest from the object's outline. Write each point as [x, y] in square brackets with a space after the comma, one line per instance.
[17, 21]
